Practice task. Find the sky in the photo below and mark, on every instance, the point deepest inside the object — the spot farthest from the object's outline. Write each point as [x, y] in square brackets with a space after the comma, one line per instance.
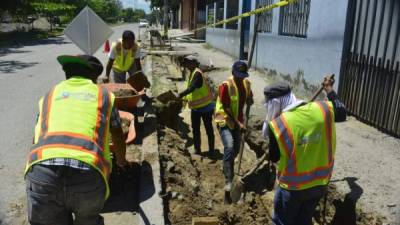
[137, 4]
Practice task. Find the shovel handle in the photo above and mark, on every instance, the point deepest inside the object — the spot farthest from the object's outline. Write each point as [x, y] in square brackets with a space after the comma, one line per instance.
[259, 163]
[242, 138]
[331, 77]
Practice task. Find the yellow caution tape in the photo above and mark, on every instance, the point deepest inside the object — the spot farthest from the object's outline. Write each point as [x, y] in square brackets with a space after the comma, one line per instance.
[247, 14]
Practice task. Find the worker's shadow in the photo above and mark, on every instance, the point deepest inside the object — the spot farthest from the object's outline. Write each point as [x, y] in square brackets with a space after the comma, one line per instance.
[345, 211]
[130, 188]
[124, 190]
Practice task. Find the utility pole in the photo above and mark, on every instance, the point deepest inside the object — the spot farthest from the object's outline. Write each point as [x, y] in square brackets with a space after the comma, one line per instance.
[166, 9]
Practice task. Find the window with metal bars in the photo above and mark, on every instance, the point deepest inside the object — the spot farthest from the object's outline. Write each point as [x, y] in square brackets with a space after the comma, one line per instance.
[232, 9]
[211, 14]
[265, 23]
[293, 19]
[220, 12]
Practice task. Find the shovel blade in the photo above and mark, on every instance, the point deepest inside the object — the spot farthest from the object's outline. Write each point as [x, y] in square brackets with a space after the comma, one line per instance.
[237, 189]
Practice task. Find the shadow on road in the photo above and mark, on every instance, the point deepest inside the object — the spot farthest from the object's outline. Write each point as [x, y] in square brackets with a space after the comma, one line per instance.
[14, 47]
[124, 190]
[12, 66]
[129, 188]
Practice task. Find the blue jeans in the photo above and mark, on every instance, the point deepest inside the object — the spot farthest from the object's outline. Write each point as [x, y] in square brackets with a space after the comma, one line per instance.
[231, 141]
[296, 207]
[54, 193]
[120, 77]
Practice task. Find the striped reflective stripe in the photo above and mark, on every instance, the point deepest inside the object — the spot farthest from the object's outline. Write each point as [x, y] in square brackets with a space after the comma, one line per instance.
[205, 99]
[296, 180]
[287, 139]
[231, 87]
[73, 140]
[328, 127]
[291, 176]
[104, 107]
[46, 105]
[100, 162]
[68, 140]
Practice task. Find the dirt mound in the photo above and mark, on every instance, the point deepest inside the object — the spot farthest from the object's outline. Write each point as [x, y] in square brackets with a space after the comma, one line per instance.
[253, 136]
[167, 109]
[193, 186]
[124, 93]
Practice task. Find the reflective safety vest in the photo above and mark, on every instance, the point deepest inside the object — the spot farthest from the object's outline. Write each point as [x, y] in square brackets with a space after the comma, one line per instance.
[74, 123]
[221, 118]
[202, 96]
[306, 137]
[123, 63]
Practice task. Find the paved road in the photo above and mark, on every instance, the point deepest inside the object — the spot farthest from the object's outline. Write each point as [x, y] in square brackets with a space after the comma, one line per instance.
[26, 73]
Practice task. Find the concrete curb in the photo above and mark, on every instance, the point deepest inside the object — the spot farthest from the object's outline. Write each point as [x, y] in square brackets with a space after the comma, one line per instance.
[151, 207]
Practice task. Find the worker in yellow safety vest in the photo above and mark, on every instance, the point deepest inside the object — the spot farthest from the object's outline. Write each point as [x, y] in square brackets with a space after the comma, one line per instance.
[302, 137]
[69, 163]
[200, 100]
[233, 95]
[124, 58]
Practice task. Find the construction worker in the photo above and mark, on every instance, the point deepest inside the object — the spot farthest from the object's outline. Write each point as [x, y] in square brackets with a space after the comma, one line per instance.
[302, 138]
[200, 100]
[124, 58]
[69, 164]
[233, 95]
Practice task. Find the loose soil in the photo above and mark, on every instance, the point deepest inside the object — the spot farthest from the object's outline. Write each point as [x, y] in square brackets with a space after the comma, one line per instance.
[193, 184]
[124, 93]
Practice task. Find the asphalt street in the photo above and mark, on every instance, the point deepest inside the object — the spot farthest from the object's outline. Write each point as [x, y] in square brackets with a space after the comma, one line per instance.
[27, 72]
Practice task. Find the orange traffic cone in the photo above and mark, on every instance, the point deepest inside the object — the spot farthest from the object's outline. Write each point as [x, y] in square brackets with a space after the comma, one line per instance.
[106, 47]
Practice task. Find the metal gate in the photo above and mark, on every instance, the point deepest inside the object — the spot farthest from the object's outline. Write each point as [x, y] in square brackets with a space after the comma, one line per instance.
[370, 75]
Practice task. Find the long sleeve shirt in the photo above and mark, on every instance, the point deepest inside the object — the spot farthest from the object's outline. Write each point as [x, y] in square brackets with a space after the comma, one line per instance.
[340, 116]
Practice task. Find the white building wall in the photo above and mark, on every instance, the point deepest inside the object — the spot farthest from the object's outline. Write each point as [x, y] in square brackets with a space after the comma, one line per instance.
[317, 55]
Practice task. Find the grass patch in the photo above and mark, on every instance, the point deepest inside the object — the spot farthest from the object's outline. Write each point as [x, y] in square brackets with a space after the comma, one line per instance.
[17, 37]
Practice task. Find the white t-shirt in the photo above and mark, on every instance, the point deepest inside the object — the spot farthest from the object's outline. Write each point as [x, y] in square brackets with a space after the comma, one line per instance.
[111, 55]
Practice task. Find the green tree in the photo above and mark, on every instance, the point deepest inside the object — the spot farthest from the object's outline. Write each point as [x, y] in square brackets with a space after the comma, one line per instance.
[52, 10]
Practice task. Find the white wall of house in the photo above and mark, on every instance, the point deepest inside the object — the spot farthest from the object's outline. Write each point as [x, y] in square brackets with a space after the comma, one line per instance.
[227, 40]
[318, 54]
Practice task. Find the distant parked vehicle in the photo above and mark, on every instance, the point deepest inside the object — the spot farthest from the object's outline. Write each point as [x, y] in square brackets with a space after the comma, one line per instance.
[143, 23]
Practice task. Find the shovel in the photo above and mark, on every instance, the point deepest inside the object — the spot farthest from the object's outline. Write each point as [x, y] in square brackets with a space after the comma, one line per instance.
[238, 184]
[242, 140]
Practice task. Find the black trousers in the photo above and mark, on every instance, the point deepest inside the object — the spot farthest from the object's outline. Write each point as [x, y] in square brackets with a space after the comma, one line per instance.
[207, 118]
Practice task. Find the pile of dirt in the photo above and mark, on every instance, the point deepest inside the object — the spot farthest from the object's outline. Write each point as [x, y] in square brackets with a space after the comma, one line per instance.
[193, 186]
[124, 93]
[254, 138]
[167, 107]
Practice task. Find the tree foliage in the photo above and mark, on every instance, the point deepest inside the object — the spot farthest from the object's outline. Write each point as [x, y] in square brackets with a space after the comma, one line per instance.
[108, 10]
[173, 4]
[132, 15]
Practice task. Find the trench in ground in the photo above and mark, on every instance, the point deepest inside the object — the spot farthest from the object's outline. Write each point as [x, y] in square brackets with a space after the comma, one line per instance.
[193, 184]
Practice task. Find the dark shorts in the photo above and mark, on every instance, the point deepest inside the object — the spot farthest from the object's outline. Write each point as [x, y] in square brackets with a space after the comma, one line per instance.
[60, 195]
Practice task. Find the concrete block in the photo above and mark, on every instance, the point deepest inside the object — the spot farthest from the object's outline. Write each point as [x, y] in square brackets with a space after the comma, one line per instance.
[205, 221]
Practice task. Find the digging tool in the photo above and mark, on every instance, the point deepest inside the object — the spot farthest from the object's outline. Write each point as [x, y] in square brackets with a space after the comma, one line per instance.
[228, 195]
[242, 138]
[238, 185]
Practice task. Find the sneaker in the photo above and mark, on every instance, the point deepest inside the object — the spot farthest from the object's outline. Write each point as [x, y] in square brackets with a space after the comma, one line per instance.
[228, 187]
